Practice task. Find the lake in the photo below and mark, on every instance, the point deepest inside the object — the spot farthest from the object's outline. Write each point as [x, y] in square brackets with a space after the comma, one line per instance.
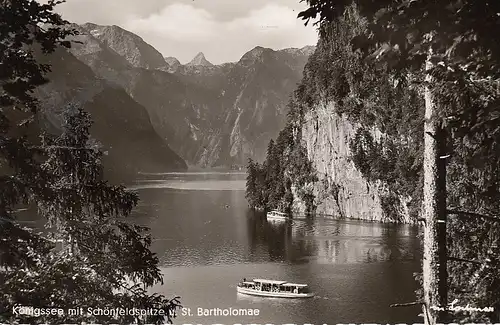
[208, 240]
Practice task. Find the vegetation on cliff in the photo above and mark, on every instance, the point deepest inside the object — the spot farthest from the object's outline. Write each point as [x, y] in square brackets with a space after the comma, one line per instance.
[370, 97]
[269, 184]
[445, 51]
[386, 111]
[88, 254]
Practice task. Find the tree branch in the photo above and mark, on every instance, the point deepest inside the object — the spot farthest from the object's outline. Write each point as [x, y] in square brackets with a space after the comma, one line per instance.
[407, 304]
[472, 214]
[62, 147]
[457, 259]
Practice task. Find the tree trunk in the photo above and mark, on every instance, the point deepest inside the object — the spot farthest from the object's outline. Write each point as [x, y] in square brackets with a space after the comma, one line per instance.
[434, 212]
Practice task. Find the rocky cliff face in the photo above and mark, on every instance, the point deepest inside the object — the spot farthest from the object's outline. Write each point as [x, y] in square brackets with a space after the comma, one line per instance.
[211, 115]
[341, 189]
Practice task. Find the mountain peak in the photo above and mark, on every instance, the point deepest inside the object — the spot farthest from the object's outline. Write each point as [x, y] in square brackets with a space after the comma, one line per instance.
[254, 54]
[126, 44]
[258, 50]
[172, 60]
[306, 50]
[173, 64]
[199, 59]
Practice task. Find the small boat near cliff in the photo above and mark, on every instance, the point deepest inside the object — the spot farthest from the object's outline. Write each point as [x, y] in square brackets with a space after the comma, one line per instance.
[274, 288]
[276, 215]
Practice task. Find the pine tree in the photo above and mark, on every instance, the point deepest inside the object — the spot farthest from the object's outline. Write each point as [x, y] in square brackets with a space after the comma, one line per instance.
[262, 197]
[251, 184]
[90, 255]
[271, 174]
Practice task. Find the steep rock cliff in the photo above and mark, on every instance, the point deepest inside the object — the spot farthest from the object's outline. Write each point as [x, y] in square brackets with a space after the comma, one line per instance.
[341, 189]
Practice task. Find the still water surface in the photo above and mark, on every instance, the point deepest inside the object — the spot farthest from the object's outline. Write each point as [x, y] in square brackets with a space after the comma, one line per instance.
[207, 240]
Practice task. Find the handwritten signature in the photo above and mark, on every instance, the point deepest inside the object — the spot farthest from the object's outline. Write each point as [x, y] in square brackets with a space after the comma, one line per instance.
[452, 307]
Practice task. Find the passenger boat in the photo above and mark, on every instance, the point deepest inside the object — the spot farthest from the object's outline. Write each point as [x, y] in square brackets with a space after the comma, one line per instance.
[277, 215]
[274, 288]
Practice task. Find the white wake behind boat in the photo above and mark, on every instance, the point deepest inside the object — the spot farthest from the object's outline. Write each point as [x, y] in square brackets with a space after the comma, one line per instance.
[274, 288]
[276, 215]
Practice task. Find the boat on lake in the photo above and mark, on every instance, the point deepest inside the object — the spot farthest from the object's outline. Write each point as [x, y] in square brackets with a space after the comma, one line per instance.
[274, 288]
[277, 215]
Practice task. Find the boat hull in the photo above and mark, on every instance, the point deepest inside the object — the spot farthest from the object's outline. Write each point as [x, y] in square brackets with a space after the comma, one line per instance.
[276, 218]
[273, 294]
[276, 215]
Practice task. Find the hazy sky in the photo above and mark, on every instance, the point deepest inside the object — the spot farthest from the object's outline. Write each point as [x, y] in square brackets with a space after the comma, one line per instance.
[222, 29]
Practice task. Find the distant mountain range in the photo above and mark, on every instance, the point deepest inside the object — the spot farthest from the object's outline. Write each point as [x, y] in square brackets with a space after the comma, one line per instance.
[120, 124]
[209, 115]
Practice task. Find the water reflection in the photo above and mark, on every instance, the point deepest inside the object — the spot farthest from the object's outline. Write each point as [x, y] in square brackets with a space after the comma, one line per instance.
[214, 227]
[331, 241]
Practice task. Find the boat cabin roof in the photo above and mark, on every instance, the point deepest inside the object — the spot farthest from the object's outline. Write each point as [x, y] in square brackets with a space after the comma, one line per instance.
[277, 212]
[248, 282]
[269, 281]
[294, 285]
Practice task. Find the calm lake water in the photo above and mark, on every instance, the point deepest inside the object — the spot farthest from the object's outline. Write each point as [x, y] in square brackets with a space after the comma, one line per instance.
[207, 240]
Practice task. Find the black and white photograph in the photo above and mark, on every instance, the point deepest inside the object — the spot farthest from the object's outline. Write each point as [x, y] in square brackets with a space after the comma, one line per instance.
[249, 162]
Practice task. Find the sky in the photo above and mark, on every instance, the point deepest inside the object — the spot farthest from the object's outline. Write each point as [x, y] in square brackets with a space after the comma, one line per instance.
[223, 30]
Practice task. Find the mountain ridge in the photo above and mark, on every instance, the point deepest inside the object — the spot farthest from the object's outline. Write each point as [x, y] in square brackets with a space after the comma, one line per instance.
[138, 52]
[211, 115]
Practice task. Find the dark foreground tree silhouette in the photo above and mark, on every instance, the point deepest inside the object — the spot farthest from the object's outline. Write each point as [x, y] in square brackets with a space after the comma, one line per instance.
[89, 255]
[450, 44]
